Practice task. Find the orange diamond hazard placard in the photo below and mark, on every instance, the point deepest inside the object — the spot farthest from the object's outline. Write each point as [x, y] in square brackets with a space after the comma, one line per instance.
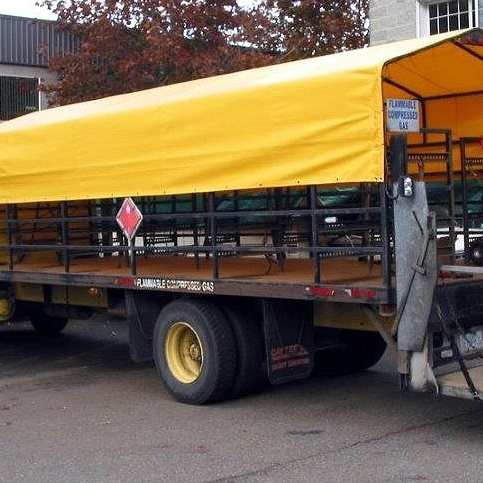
[129, 218]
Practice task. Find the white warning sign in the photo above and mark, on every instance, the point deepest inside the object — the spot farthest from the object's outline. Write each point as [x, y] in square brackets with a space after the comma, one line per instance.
[402, 115]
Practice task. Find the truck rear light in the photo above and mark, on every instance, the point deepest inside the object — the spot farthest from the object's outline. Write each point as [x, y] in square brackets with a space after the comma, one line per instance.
[358, 293]
[405, 187]
[361, 293]
[322, 291]
[387, 310]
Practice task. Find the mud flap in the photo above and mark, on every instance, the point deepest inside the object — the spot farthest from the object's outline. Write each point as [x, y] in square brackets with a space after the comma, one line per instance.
[289, 337]
[416, 268]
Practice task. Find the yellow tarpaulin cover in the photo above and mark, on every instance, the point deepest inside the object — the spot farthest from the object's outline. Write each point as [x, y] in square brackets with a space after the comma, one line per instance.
[313, 121]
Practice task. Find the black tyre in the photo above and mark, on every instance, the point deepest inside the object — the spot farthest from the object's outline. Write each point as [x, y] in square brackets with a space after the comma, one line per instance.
[354, 351]
[249, 352]
[47, 325]
[194, 351]
[475, 252]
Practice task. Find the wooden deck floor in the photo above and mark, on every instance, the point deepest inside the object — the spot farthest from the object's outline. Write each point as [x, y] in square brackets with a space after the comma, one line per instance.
[260, 269]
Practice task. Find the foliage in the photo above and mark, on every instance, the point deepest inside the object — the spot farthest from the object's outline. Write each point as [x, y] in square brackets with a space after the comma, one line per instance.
[124, 46]
[307, 28]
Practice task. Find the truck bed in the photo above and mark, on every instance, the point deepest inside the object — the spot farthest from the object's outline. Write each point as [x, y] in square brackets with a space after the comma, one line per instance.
[346, 279]
[257, 275]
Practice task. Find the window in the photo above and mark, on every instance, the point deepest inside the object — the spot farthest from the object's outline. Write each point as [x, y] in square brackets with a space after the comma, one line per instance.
[439, 17]
[18, 96]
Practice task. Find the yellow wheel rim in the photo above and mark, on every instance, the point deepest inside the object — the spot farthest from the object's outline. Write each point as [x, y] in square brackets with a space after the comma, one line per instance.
[184, 354]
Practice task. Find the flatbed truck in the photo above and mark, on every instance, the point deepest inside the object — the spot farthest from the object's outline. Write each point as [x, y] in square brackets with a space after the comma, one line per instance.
[263, 225]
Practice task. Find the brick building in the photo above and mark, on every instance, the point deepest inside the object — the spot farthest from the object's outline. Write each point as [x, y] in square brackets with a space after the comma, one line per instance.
[402, 19]
[23, 66]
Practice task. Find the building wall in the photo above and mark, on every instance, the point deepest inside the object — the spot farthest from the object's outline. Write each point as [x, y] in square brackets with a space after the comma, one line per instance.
[392, 20]
[42, 74]
[30, 42]
[25, 47]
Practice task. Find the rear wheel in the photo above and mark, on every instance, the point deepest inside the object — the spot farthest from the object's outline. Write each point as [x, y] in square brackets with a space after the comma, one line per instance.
[47, 325]
[249, 352]
[352, 351]
[194, 351]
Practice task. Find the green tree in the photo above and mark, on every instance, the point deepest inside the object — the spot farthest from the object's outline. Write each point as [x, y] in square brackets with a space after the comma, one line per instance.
[125, 46]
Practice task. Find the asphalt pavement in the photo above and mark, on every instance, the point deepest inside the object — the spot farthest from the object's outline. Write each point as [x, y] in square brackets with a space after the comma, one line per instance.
[76, 409]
